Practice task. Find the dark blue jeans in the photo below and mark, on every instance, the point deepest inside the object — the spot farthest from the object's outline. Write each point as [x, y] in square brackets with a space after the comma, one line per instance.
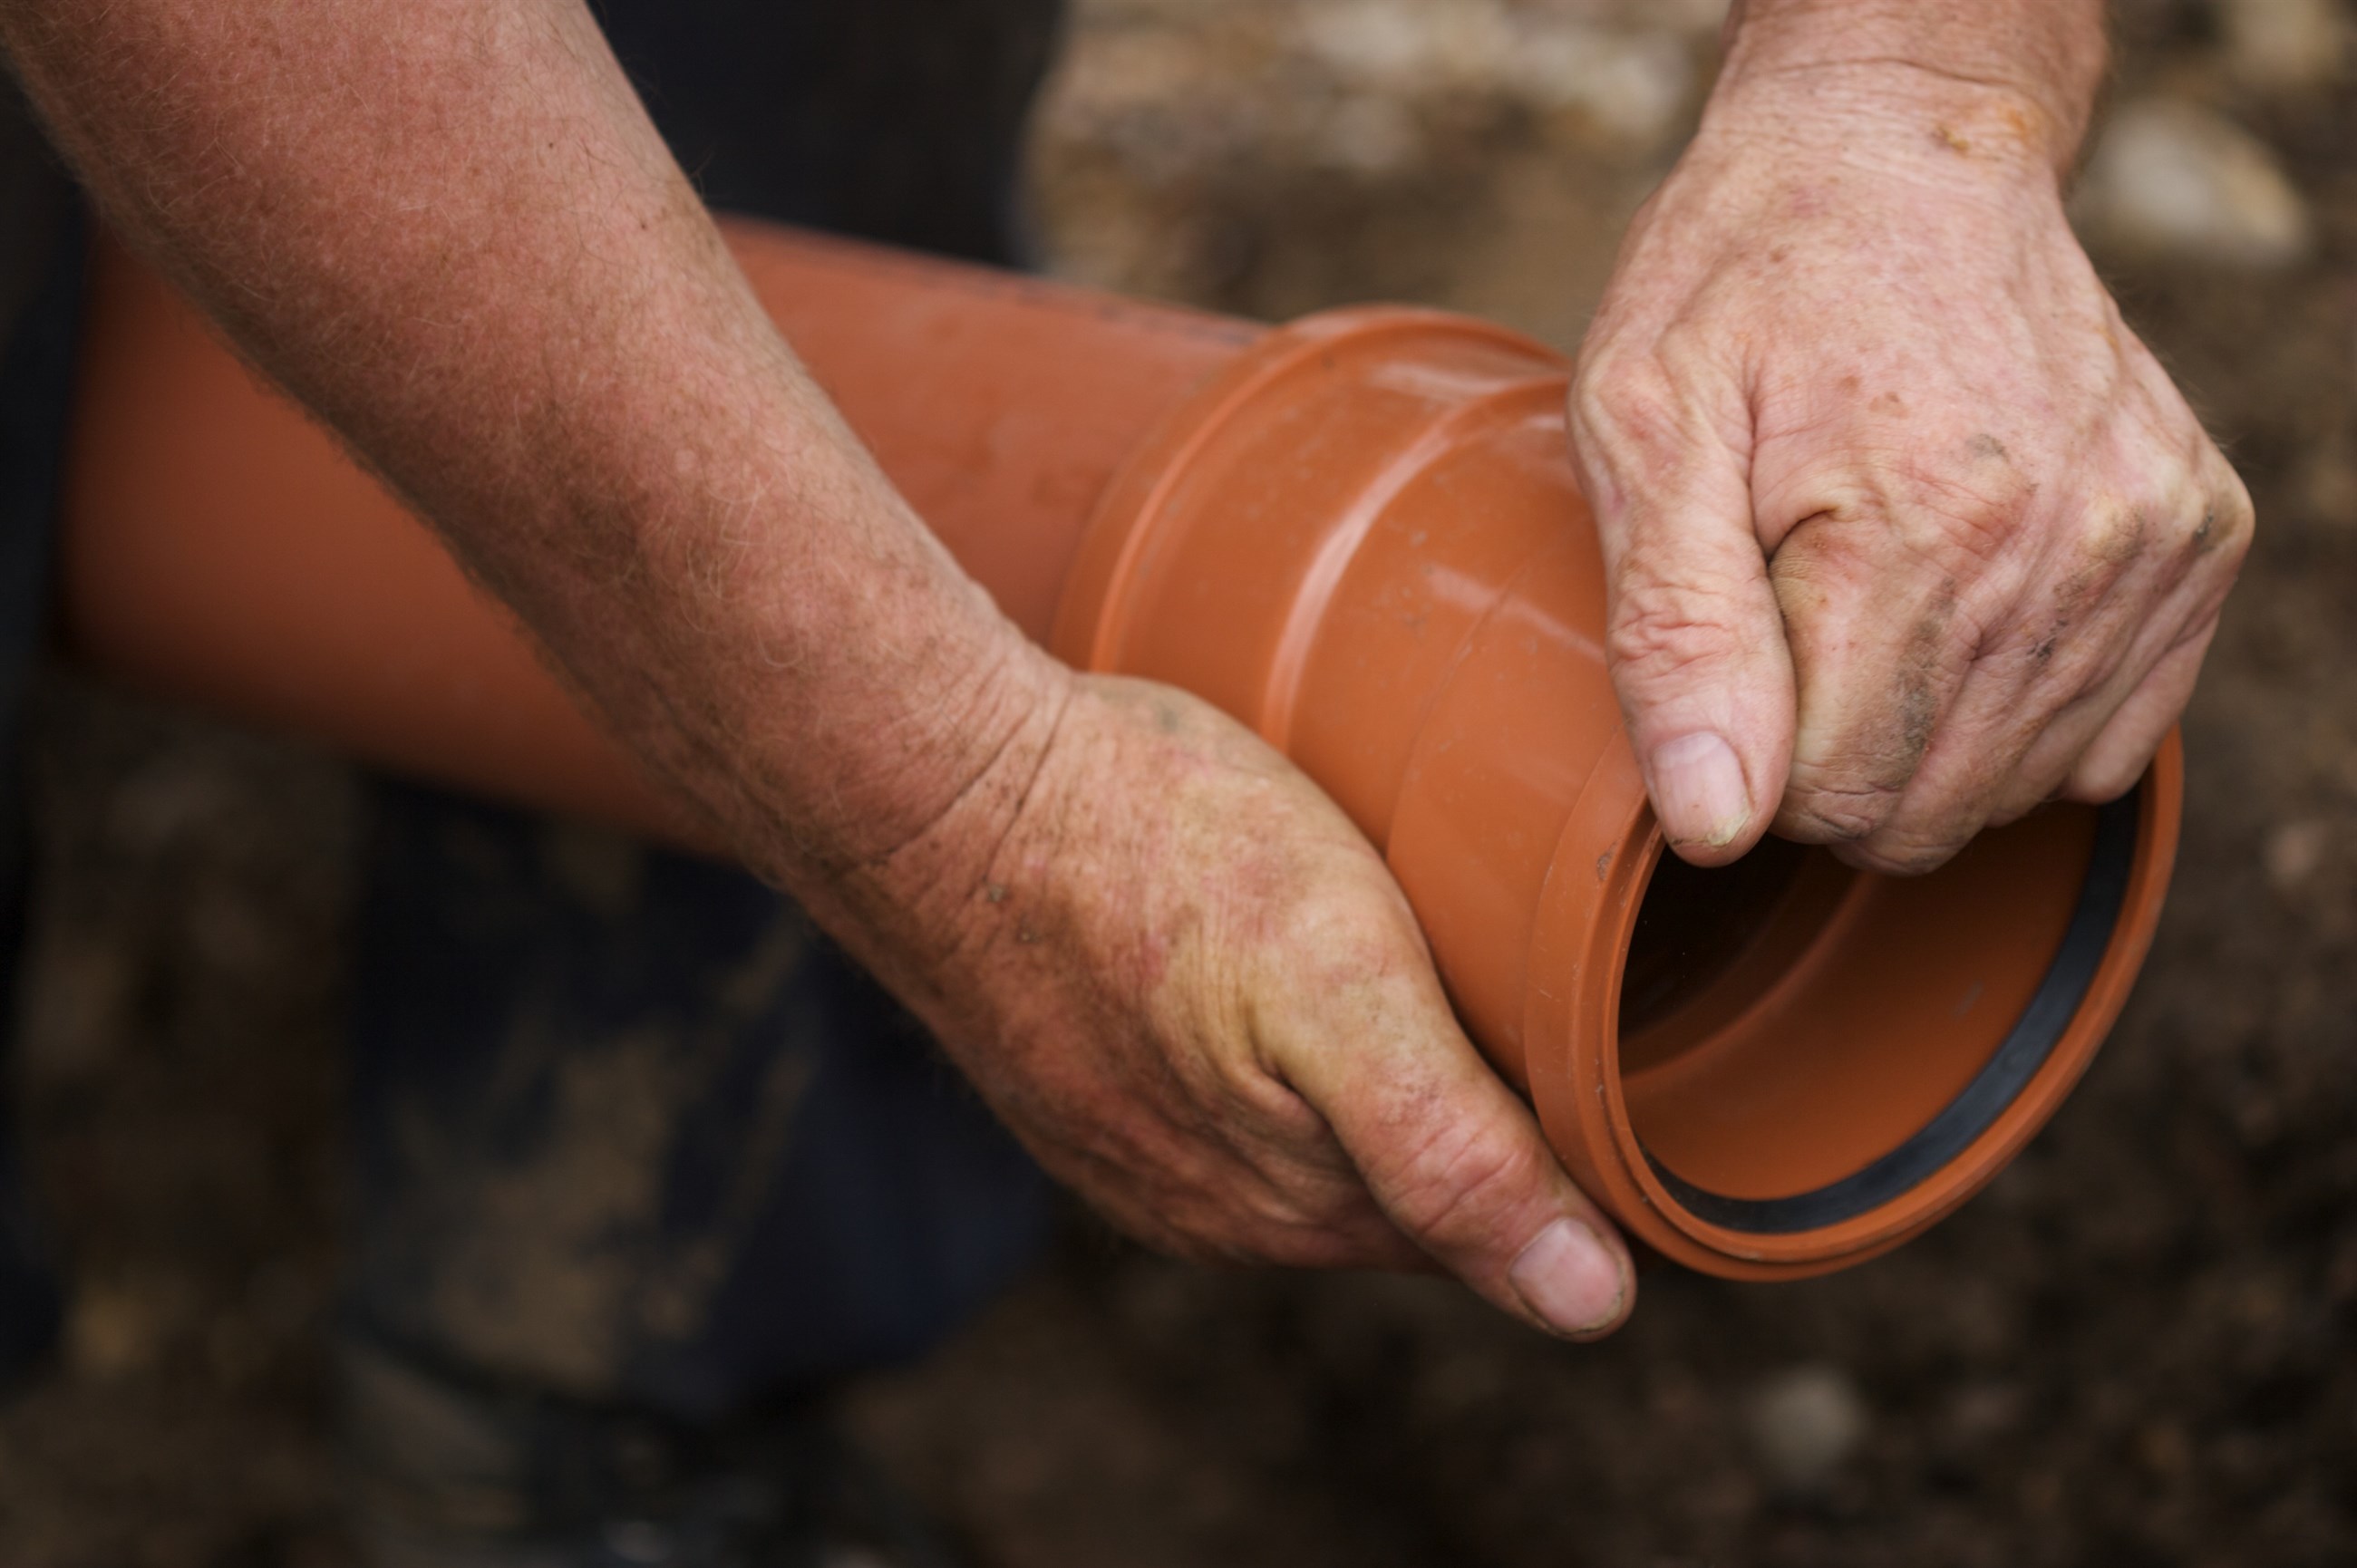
[626, 1128]
[39, 302]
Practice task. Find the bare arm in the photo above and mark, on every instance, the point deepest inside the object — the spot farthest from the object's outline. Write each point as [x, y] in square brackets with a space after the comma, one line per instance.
[458, 238]
[1167, 960]
[1908, 532]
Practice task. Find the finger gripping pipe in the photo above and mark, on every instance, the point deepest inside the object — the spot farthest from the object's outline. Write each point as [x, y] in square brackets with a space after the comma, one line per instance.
[1359, 535]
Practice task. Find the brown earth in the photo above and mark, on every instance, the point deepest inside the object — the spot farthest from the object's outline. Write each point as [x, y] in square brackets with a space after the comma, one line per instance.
[2139, 1346]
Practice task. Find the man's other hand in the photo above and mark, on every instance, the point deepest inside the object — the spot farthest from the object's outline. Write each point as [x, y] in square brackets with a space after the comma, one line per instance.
[1905, 531]
[1190, 986]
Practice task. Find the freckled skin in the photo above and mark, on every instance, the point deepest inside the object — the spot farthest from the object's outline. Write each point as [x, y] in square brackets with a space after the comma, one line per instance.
[1965, 544]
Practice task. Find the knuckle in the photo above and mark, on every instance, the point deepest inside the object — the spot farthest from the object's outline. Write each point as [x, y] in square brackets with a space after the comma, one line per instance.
[1809, 823]
[1628, 410]
[1835, 814]
[1457, 1181]
[1249, 1224]
[2097, 780]
[1899, 852]
[1869, 506]
[1858, 857]
[2030, 786]
[1273, 1225]
[1956, 529]
[2112, 538]
[1342, 1241]
[2076, 661]
[1661, 627]
[2011, 810]
[2225, 527]
[1618, 391]
[1333, 946]
[2235, 502]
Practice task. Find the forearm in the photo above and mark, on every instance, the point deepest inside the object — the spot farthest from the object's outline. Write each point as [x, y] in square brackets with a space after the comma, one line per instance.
[1995, 79]
[448, 228]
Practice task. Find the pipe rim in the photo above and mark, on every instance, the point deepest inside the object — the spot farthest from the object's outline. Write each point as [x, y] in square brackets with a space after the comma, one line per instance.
[1587, 919]
[2026, 1048]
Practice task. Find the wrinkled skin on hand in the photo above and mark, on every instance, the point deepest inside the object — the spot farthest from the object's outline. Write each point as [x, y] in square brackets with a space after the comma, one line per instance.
[1191, 987]
[1907, 533]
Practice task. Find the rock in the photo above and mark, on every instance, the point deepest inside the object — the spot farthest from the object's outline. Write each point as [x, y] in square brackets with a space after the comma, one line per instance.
[120, 1328]
[1632, 87]
[2164, 1449]
[2180, 181]
[2294, 851]
[2285, 45]
[1369, 134]
[1410, 46]
[1804, 1425]
[81, 995]
[1630, 84]
[180, 796]
[2328, 482]
[1983, 1413]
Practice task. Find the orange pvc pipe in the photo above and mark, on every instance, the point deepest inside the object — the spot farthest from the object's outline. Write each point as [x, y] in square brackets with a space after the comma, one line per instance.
[1359, 535]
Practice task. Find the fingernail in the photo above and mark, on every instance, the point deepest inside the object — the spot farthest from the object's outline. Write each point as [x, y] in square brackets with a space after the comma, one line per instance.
[1570, 1279]
[1698, 791]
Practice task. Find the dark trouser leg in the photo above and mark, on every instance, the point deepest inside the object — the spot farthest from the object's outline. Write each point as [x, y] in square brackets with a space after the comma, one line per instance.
[40, 278]
[639, 1153]
[893, 120]
[635, 1145]
[631, 1130]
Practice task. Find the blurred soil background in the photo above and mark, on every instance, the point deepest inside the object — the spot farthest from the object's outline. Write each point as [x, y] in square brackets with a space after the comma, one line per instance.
[2140, 1347]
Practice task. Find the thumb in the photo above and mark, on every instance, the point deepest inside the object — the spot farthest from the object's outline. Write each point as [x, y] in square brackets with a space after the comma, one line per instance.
[1693, 637]
[1457, 1162]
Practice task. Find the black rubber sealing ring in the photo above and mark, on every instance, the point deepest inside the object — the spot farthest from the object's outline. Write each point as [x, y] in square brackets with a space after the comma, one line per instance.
[1994, 1087]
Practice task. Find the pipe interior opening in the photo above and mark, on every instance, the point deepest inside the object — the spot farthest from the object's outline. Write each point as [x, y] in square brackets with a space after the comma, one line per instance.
[1786, 1022]
[1695, 924]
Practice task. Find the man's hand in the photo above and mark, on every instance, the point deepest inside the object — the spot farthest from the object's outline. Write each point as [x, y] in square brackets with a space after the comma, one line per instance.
[1907, 533]
[1187, 982]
